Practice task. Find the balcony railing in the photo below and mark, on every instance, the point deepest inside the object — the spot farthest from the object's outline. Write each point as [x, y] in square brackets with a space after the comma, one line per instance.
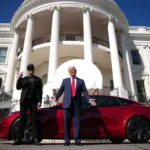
[67, 38]
[4, 27]
[139, 30]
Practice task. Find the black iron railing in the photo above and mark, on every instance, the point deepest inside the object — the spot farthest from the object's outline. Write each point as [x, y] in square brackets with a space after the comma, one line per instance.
[69, 37]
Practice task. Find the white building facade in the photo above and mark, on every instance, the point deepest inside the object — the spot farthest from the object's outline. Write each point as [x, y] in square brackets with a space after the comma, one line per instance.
[53, 34]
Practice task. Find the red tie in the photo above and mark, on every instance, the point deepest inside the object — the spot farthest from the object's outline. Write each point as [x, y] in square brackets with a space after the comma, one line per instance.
[73, 87]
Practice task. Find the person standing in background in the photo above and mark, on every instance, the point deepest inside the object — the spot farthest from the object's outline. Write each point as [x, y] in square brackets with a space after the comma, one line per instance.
[31, 99]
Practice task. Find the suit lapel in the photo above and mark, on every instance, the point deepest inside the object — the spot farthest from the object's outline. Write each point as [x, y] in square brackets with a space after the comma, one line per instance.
[69, 82]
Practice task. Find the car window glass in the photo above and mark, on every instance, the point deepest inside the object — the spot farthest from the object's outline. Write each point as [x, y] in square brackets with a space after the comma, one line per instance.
[86, 104]
[105, 101]
[124, 101]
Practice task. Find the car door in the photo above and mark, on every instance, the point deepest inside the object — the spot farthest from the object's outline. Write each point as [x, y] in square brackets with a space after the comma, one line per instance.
[48, 119]
[60, 121]
[90, 118]
[112, 116]
[89, 115]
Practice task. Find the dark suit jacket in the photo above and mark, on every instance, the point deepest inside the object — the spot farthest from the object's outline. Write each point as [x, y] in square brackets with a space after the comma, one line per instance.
[66, 88]
[23, 83]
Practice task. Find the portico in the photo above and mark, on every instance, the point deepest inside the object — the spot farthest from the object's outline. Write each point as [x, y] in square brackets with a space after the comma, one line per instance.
[83, 31]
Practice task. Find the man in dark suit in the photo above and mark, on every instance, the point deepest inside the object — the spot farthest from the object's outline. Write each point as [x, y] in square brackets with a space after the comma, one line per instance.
[73, 88]
[31, 98]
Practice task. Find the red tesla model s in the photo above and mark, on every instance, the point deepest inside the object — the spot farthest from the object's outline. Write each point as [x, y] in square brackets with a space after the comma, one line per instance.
[113, 118]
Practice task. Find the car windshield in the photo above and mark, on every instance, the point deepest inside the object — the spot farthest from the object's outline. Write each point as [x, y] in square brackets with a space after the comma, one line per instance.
[4, 113]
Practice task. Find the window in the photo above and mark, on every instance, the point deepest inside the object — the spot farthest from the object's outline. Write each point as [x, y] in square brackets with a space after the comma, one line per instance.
[85, 103]
[3, 52]
[141, 91]
[135, 57]
[106, 101]
[124, 101]
[111, 85]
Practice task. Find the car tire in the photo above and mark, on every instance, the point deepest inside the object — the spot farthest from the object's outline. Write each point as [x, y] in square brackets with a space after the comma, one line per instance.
[28, 135]
[14, 129]
[138, 130]
[117, 141]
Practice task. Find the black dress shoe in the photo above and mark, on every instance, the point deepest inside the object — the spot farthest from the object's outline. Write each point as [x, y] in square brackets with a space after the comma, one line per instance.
[17, 142]
[79, 144]
[66, 144]
[36, 142]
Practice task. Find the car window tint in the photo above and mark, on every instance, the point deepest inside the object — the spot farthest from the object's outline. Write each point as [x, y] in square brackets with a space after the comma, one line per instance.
[124, 101]
[105, 101]
[86, 104]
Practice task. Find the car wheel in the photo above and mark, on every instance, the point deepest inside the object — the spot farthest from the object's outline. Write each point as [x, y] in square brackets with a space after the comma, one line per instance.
[14, 130]
[28, 135]
[117, 141]
[138, 130]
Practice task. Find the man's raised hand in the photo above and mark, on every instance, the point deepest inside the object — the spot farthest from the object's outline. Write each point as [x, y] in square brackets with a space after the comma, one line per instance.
[20, 75]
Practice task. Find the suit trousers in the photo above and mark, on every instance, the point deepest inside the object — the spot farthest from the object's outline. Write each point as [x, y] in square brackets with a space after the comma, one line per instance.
[73, 112]
[26, 105]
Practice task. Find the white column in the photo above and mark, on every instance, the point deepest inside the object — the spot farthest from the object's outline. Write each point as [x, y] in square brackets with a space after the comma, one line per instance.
[11, 63]
[127, 66]
[146, 50]
[88, 53]
[116, 69]
[147, 58]
[27, 45]
[53, 55]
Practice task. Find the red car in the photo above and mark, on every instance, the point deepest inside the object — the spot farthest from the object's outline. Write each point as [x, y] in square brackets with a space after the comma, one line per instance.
[113, 118]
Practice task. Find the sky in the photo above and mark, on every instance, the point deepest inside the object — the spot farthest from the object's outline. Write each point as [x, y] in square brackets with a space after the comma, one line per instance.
[136, 11]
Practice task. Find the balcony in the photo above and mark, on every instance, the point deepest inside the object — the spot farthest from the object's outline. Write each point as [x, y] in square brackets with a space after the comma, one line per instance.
[67, 38]
[139, 30]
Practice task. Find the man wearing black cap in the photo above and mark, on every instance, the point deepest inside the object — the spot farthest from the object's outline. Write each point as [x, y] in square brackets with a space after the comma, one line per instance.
[31, 98]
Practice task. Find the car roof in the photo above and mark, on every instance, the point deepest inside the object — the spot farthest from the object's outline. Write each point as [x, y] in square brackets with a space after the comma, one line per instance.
[109, 96]
[100, 95]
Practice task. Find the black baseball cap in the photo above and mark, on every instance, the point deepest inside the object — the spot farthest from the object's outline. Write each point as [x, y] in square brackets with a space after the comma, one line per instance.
[30, 67]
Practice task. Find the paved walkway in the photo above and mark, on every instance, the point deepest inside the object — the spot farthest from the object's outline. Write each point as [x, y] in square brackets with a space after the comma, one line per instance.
[87, 145]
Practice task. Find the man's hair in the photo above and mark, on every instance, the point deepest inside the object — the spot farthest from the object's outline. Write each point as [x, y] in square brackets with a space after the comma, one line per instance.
[30, 67]
[71, 68]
